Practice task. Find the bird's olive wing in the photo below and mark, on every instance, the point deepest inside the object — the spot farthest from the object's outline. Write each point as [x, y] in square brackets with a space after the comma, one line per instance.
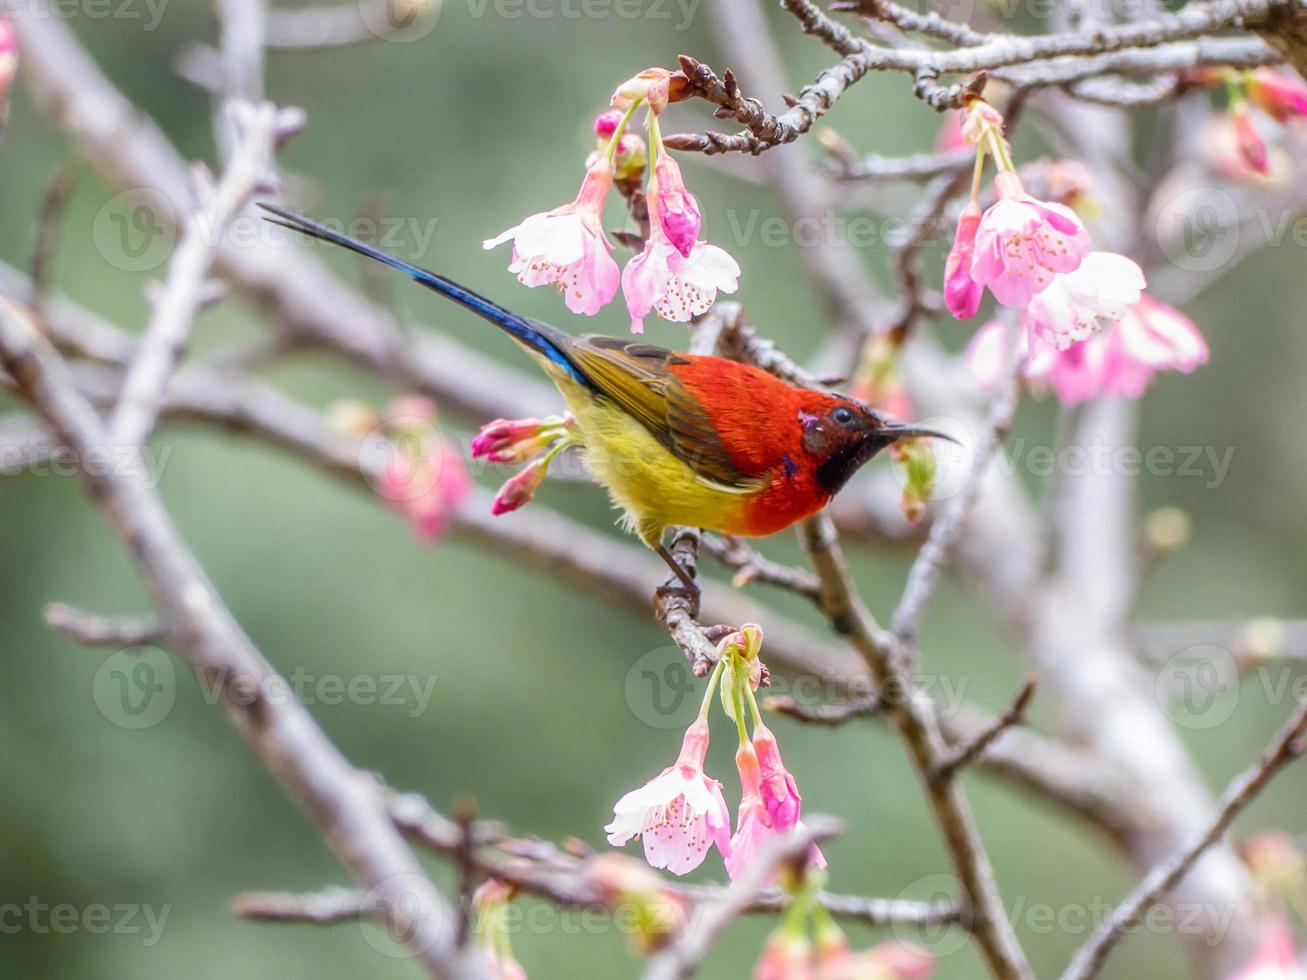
[638, 378]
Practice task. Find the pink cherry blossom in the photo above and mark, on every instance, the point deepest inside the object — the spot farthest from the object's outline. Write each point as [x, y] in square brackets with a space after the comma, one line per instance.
[754, 824]
[426, 487]
[679, 814]
[676, 286]
[1276, 957]
[1022, 243]
[673, 206]
[1279, 96]
[962, 293]
[567, 247]
[1121, 360]
[1079, 303]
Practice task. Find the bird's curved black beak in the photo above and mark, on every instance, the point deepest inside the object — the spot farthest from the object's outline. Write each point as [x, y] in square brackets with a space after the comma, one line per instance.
[896, 432]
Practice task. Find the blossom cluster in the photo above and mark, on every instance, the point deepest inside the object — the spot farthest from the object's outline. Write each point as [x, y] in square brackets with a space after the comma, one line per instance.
[676, 275]
[1087, 329]
[681, 814]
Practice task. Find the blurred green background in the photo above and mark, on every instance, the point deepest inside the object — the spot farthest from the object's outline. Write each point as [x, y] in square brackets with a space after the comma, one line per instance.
[479, 122]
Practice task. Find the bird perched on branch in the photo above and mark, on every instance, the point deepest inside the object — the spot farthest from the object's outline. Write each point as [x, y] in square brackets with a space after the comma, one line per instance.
[681, 439]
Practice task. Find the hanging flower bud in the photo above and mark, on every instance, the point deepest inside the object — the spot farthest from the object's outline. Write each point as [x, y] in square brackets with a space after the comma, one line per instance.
[962, 293]
[786, 955]
[630, 156]
[674, 207]
[916, 460]
[979, 119]
[1276, 94]
[520, 488]
[1252, 147]
[626, 885]
[653, 85]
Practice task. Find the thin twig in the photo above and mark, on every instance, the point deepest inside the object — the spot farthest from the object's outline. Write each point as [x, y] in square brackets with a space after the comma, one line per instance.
[91, 630]
[961, 756]
[258, 130]
[1287, 745]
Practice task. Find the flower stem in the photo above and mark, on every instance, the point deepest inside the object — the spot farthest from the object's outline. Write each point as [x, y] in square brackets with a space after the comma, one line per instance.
[712, 686]
[977, 173]
[611, 152]
[739, 675]
[753, 706]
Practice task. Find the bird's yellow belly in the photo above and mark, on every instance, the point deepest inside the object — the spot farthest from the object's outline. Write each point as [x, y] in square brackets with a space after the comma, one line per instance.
[653, 488]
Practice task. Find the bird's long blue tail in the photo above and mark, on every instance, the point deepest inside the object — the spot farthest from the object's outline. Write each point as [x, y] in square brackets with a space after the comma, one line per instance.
[550, 342]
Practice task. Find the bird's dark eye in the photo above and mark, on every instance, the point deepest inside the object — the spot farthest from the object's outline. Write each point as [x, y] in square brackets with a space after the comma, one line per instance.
[842, 416]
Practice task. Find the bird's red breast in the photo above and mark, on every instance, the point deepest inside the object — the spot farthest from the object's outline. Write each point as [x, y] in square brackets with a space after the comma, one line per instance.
[760, 422]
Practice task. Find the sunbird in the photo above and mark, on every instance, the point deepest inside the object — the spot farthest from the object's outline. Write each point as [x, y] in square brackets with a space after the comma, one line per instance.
[681, 439]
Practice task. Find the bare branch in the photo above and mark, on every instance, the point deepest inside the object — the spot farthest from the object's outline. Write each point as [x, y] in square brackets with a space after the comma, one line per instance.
[258, 129]
[1284, 748]
[968, 752]
[91, 630]
[344, 802]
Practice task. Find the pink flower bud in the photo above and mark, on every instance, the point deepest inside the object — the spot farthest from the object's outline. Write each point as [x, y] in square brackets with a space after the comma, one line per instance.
[627, 886]
[978, 118]
[501, 434]
[519, 489]
[786, 955]
[653, 85]
[631, 158]
[606, 122]
[962, 293]
[1252, 148]
[674, 206]
[1279, 96]
[950, 136]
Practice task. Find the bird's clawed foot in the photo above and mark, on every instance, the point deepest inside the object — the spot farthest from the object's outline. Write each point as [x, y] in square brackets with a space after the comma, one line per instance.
[687, 591]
